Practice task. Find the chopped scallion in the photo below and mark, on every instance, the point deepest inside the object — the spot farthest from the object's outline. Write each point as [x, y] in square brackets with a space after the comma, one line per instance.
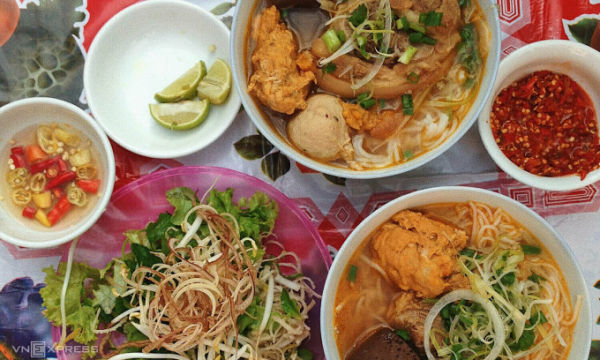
[412, 77]
[431, 18]
[365, 100]
[530, 250]
[403, 24]
[331, 40]
[417, 27]
[408, 54]
[341, 35]
[407, 104]
[352, 273]
[408, 154]
[403, 334]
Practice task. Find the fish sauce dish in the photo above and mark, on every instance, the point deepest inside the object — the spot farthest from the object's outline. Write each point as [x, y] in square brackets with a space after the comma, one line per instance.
[365, 88]
[451, 280]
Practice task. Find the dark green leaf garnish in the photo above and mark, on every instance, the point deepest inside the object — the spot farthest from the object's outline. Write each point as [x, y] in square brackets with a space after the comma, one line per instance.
[536, 278]
[329, 68]
[305, 354]
[359, 15]
[407, 104]
[403, 333]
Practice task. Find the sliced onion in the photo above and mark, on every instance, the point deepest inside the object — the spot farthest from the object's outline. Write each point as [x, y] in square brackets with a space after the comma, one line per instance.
[343, 50]
[499, 332]
[385, 4]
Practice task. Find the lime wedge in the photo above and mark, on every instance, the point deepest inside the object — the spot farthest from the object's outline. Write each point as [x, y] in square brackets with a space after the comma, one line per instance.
[216, 85]
[184, 115]
[185, 85]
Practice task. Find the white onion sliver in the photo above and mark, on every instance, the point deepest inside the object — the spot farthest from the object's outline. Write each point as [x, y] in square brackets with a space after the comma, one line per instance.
[343, 50]
[499, 332]
[385, 44]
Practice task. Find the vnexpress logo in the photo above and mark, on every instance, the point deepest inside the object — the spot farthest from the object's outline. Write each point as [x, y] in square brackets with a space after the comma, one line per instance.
[37, 349]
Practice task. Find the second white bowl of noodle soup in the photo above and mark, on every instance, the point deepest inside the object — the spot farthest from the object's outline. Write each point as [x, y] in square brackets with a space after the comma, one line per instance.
[243, 20]
[536, 225]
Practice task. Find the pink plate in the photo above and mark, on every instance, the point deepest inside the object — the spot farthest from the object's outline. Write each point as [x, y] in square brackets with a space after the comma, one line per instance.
[140, 202]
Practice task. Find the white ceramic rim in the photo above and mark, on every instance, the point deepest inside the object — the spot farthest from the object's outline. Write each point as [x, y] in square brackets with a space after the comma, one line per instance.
[255, 115]
[87, 75]
[98, 210]
[353, 241]
[538, 50]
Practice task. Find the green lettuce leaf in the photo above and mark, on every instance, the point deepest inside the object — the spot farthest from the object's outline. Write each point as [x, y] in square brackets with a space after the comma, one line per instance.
[182, 199]
[104, 298]
[80, 317]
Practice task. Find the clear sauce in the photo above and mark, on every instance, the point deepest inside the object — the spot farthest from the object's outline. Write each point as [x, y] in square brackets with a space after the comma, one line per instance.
[28, 137]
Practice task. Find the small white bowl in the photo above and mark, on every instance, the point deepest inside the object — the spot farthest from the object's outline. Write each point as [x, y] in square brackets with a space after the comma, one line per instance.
[576, 60]
[140, 51]
[23, 114]
[245, 14]
[551, 240]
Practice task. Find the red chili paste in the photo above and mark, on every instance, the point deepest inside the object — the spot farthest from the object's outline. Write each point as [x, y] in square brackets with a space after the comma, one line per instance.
[546, 124]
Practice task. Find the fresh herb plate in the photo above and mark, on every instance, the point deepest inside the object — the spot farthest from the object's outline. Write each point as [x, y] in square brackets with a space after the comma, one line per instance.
[140, 202]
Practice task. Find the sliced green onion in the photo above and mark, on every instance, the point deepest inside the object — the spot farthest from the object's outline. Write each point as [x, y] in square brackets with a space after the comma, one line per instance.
[431, 18]
[407, 104]
[536, 278]
[415, 38]
[408, 54]
[428, 40]
[412, 77]
[403, 24]
[341, 35]
[352, 273]
[417, 27]
[408, 154]
[331, 40]
[530, 250]
[381, 103]
[403, 334]
[361, 41]
[329, 68]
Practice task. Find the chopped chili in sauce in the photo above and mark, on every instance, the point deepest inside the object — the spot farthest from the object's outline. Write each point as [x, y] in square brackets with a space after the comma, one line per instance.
[546, 124]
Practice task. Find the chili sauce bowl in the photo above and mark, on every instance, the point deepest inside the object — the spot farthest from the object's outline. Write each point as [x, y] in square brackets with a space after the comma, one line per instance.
[535, 224]
[25, 115]
[579, 62]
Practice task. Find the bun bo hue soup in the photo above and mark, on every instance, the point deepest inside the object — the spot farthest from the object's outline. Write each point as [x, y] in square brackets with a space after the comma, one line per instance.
[453, 281]
[366, 84]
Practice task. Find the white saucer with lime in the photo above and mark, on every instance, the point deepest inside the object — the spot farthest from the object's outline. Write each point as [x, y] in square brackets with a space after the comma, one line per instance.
[139, 53]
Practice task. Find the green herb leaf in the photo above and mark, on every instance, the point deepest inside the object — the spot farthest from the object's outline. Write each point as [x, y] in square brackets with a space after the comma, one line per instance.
[289, 305]
[275, 165]
[104, 298]
[408, 154]
[305, 354]
[329, 68]
[538, 318]
[352, 273]
[508, 279]
[526, 340]
[143, 255]
[359, 15]
[155, 231]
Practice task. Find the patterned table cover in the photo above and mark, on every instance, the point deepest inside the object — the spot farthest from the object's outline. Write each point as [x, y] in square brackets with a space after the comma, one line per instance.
[67, 27]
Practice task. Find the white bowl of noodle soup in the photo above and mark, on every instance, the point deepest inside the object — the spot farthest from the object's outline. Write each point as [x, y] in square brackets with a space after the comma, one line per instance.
[276, 133]
[547, 237]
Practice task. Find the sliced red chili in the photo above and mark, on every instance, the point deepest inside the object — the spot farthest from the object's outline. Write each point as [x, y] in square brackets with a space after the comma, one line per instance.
[62, 165]
[19, 160]
[29, 212]
[90, 186]
[59, 210]
[61, 179]
[57, 192]
[43, 165]
[52, 171]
